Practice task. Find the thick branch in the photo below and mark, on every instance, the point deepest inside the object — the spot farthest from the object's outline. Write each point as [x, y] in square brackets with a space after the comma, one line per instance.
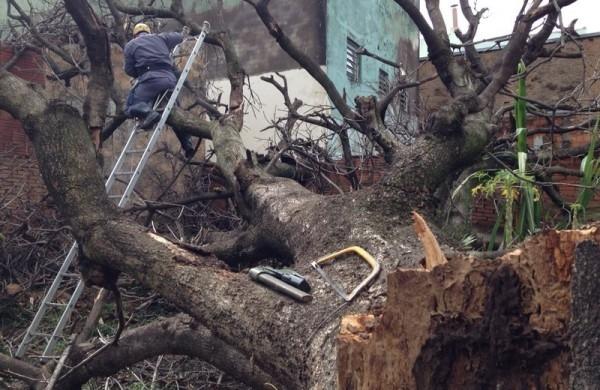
[535, 46]
[98, 51]
[434, 44]
[473, 20]
[19, 369]
[118, 24]
[178, 336]
[437, 20]
[542, 11]
[145, 10]
[467, 39]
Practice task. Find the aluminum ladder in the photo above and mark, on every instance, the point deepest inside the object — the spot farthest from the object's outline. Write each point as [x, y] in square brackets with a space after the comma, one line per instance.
[130, 177]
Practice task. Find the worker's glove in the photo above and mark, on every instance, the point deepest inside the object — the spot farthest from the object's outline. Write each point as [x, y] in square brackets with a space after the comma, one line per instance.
[185, 31]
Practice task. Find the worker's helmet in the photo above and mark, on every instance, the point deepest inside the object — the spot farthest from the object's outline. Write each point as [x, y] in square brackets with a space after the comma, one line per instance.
[140, 27]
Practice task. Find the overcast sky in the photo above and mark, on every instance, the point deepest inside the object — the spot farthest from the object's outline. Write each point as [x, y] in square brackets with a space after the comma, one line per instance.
[500, 17]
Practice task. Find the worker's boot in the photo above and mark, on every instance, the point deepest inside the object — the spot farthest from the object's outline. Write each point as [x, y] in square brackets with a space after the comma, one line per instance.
[186, 144]
[189, 152]
[143, 111]
[150, 120]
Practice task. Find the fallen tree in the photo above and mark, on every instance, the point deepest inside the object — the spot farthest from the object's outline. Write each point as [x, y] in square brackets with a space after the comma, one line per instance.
[269, 341]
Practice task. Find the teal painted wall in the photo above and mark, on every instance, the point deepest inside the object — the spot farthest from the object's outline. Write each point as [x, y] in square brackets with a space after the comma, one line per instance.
[205, 5]
[381, 27]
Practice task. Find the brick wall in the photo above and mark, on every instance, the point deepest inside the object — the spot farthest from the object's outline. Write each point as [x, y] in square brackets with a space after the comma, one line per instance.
[19, 173]
[549, 82]
[369, 171]
[483, 213]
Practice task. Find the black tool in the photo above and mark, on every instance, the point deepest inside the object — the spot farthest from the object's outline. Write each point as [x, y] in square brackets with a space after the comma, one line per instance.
[285, 280]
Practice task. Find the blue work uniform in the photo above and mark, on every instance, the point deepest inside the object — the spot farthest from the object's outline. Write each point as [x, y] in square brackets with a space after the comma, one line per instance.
[147, 58]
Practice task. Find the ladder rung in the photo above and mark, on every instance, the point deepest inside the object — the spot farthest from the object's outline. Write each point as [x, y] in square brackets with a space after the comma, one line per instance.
[132, 151]
[38, 334]
[70, 275]
[125, 173]
[115, 196]
[56, 304]
[49, 357]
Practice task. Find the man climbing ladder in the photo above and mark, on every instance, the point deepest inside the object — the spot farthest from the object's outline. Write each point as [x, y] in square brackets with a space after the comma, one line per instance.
[147, 59]
[52, 332]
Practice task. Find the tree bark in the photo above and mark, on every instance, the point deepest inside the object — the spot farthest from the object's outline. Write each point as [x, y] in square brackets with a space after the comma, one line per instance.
[585, 320]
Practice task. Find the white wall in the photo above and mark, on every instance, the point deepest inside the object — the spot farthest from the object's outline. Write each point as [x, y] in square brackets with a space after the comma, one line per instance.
[264, 104]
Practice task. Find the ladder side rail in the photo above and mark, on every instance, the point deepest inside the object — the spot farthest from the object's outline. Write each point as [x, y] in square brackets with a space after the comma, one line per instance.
[47, 298]
[111, 178]
[64, 318]
[163, 119]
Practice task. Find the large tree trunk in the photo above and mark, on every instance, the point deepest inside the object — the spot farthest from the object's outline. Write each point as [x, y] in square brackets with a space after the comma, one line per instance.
[291, 342]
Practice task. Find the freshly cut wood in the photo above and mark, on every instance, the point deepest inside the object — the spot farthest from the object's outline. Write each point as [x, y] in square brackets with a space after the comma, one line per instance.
[470, 323]
[13, 289]
[433, 253]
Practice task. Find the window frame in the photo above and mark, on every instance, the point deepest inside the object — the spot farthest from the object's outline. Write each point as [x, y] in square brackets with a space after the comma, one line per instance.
[353, 62]
[383, 86]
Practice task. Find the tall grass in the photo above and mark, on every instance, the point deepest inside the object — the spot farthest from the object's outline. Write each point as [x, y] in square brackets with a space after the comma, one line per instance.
[590, 167]
[520, 213]
[530, 209]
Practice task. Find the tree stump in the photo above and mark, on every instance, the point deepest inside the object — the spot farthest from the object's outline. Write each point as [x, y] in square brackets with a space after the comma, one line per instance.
[478, 324]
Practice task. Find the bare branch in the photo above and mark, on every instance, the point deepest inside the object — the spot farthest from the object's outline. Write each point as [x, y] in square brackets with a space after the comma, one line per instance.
[26, 21]
[473, 20]
[145, 10]
[362, 51]
[384, 102]
[439, 50]
[467, 39]
[535, 45]
[151, 205]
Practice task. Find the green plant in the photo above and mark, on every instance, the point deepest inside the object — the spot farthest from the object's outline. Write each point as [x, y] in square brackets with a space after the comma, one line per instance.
[467, 241]
[520, 212]
[590, 167]
[530, 208]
